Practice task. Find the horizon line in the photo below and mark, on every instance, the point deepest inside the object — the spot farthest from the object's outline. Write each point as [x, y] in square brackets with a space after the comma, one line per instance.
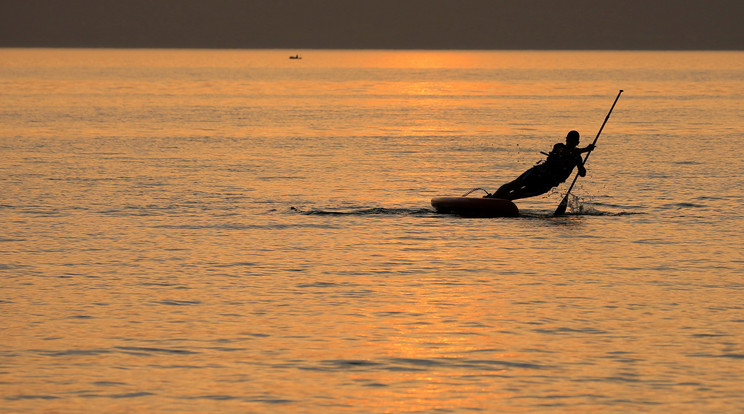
[375, 49]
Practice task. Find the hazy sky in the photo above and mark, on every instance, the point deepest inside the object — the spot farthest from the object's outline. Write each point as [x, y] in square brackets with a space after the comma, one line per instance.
[380, 24]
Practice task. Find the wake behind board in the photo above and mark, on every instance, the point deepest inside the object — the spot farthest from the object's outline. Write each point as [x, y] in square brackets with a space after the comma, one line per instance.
[475, 207]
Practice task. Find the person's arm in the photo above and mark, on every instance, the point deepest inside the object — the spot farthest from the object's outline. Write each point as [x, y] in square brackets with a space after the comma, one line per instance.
[588, 148]
[580, 166]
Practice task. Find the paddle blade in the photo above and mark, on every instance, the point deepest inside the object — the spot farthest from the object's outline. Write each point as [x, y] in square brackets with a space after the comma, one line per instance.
[561, 210]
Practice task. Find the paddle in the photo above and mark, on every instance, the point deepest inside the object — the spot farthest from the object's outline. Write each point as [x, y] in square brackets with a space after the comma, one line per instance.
[561, 210]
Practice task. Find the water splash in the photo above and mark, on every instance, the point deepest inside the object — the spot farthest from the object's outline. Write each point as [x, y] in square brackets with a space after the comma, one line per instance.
[575, 204]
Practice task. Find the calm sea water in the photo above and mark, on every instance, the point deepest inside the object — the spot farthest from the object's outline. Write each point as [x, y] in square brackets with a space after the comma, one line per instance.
[235, 231]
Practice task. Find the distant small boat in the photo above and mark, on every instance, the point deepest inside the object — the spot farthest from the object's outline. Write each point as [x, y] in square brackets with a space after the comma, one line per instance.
[295, 57]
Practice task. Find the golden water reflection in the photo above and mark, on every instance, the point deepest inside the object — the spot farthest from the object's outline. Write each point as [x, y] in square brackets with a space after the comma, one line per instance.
[151, 260]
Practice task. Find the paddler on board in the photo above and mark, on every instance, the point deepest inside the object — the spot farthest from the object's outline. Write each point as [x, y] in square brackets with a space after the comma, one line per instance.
[549, 173]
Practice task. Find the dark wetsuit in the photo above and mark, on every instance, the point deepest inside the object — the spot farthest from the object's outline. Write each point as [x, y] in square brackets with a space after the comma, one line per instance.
[560, 163]
[544, 175]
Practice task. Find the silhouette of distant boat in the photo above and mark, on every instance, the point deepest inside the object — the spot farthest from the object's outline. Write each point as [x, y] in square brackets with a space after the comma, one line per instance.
[295, 57]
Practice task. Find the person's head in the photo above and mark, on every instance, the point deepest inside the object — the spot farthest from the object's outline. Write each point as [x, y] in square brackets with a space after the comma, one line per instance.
[572, 138]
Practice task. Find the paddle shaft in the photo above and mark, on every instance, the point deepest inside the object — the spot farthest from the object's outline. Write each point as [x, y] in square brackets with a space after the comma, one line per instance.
[564, 203]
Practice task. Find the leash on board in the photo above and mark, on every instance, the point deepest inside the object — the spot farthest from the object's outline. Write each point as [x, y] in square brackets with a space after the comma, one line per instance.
[476, 189]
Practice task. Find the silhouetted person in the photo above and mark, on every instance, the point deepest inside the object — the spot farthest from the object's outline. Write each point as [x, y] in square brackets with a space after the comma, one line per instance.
[548, 174]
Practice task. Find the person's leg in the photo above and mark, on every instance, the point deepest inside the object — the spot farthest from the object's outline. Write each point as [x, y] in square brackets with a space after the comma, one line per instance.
[506, 190]
[529, 191]
[531, 185]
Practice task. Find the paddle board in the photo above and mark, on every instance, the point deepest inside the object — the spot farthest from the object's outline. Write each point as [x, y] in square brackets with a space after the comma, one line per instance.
[475, 207]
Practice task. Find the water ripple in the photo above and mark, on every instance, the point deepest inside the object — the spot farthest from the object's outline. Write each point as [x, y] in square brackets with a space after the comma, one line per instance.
[370, 211]
[147, 350]
[424, 364]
